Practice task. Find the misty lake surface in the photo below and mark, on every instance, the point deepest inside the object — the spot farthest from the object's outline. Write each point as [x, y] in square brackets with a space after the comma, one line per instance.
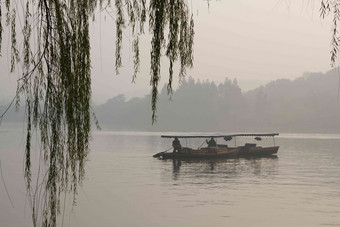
[126, 186]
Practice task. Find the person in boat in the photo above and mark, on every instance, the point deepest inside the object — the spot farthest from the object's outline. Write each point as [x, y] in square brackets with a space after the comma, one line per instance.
[176, 145]
[211, 142]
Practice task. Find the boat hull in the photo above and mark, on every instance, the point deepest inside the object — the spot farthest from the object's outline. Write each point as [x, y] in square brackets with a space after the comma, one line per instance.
[224, 152]
[196, 155]
[258, 151]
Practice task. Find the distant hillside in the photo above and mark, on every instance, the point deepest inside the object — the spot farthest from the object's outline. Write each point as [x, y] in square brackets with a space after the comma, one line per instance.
[307, 104]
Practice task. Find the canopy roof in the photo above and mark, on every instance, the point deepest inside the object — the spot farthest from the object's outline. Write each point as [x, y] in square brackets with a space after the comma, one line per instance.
[222, 136]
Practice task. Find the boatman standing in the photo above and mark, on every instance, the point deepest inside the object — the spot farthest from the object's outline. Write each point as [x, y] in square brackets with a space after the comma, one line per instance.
[176, 145]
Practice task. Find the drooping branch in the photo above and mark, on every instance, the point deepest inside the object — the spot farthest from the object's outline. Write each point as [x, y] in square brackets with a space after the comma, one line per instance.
[332, 7]
[56, 79]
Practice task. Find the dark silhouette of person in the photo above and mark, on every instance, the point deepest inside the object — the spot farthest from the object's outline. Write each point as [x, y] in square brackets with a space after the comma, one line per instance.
[211, 142]
[176, 145]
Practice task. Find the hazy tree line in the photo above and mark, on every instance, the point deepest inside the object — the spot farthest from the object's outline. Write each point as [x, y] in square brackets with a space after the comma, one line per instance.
[307, 104]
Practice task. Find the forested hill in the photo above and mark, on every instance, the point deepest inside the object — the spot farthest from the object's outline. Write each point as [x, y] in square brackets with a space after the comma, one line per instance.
[306, 104]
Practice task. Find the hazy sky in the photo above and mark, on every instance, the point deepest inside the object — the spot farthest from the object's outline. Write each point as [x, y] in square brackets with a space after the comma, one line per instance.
[252, 41]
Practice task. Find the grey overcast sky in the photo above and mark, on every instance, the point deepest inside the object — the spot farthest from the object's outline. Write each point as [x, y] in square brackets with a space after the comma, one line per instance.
[252, 41]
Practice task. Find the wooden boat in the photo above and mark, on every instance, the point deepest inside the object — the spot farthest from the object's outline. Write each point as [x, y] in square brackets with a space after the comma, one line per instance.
[221, 150]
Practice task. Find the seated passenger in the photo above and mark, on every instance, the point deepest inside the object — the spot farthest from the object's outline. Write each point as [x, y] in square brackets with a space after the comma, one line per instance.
[211, 142]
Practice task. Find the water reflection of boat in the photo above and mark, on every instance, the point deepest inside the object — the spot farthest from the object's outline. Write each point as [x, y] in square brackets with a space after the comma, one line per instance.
[222, 168]
[214, 150]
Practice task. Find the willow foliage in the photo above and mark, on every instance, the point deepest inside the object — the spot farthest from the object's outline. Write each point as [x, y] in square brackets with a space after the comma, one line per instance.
[332, 8]
[56, 77]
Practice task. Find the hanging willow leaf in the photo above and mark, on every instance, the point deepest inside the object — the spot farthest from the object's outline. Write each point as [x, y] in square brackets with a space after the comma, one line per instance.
[172, 48]
[14, 48]
[332, 7]
[324, 8]
[157, 24]
[56, 79]
[119, 33]
[136, 59]
[1, 28]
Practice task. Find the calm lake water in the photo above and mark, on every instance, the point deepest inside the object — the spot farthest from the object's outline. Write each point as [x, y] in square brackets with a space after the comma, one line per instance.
[125, 186]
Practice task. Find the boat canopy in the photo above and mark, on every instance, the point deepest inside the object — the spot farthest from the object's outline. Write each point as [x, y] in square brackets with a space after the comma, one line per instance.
[223, 136]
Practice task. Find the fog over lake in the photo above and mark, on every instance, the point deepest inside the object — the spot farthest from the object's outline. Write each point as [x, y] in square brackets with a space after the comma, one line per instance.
[259, 67]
